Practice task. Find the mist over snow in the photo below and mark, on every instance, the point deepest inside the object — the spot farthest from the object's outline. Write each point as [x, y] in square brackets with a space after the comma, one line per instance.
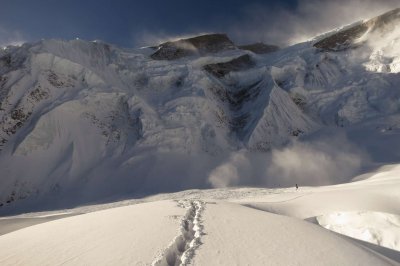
[329, 160]
[322, 161]
[237, 170]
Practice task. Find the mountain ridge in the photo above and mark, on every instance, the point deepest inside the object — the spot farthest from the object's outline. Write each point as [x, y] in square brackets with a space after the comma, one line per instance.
[100, 120]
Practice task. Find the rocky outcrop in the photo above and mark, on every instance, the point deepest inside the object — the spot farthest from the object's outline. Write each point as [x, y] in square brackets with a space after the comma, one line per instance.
[233, 109]
[210, 43]
[347, 38]
[238, 64]
[343, 39]
[259, 48]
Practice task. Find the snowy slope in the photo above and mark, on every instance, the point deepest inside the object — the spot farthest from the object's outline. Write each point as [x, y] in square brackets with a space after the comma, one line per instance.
[83, 121]
[135, 234]
[242, 226]
[237, 235]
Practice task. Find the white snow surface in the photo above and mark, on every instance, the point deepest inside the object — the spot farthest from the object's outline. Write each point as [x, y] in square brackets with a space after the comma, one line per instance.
[134, 234]
[375, 227]
[242, 226]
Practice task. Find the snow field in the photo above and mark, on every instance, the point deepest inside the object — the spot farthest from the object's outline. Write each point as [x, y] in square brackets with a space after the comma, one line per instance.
[131, 235]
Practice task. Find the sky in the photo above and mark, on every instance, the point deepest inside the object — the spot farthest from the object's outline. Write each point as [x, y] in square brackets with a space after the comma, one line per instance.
[137, 23]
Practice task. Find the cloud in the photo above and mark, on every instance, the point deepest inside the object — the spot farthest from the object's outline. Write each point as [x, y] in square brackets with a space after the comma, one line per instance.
[12, 37]
[232, 172]
[310, 18]
[323, 161]
[320, 162]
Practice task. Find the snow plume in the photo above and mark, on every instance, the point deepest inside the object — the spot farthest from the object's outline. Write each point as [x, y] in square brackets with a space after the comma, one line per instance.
[385, 55]
[387, 42]
[323, 161]
[147, 38]
[310, 18]
[10, 37]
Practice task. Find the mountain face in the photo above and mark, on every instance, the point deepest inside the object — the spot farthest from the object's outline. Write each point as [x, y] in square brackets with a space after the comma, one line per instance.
[353, 35]
[259, 48]
[200, 45]
[81, 120]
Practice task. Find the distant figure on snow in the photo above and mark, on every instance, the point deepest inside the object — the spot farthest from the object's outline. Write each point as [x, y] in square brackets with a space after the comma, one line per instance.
[297, 187]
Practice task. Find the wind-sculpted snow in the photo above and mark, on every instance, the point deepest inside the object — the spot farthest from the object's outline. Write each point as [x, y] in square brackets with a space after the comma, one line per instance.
[381, 229]
[81, 121]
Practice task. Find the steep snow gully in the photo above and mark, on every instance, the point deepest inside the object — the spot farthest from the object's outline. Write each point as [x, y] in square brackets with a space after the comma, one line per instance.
[182, 248]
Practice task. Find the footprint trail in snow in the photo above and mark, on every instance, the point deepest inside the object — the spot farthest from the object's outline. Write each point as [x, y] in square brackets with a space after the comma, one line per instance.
[182, 248]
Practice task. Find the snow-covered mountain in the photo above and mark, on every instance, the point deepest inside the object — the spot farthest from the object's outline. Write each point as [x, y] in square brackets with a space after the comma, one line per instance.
[83, 121]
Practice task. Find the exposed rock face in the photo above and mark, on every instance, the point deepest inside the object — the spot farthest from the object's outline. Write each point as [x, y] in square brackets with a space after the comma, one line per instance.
[221, 69]
[347, 38]
[343, 39]
[233, 105]
[259, 48]
[210, 43]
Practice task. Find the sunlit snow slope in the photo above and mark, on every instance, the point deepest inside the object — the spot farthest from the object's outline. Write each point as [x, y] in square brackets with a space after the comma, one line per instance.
[242, 226]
